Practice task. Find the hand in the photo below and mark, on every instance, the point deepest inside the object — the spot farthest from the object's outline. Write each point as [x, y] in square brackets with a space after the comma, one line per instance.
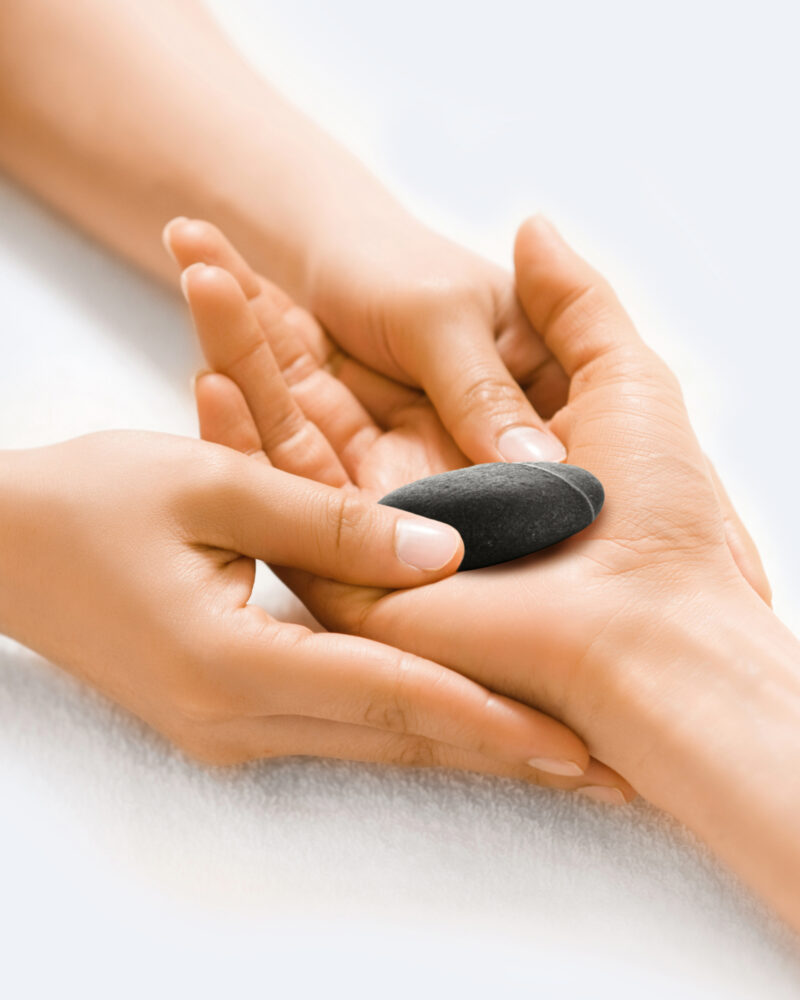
[129, 559]
[625, 421]
[659, 543]
[380, 434]
[233, 330]
[426, 313]
[352, 407]
[649, 632]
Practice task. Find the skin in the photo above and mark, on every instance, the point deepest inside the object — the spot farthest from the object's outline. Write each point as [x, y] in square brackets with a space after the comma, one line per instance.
[121, 116]
[142, 548]
[642, 632]
[124, 115]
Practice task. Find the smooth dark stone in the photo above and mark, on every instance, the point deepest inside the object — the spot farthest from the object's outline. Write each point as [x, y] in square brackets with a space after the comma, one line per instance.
[504, 510]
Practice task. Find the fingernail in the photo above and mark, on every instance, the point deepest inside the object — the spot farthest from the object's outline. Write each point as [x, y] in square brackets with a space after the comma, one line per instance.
[555, 766]
[425, 544]
[601, 793]
[526, 444]
[165, 234]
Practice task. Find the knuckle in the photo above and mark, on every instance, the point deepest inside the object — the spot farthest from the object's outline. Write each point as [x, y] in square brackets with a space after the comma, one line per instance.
[415, 752]
[288, 428]
[385, 714]
[490, 394]
[392, 710]
[628, 364]
[479, 740]
[346, 522]
[578, 305]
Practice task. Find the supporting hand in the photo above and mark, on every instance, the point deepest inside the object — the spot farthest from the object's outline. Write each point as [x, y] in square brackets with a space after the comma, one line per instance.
[128, 558]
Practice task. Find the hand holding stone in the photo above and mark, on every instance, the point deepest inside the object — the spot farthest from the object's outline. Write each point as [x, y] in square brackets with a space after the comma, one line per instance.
[252, 332]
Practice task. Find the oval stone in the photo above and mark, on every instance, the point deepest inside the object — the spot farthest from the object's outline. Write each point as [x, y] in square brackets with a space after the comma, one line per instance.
[505, 510]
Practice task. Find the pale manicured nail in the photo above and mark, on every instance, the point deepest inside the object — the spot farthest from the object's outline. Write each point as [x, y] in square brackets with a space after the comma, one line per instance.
[165, 235]
[601, 793]
[553, 765]
[526, 444]
[425, 544]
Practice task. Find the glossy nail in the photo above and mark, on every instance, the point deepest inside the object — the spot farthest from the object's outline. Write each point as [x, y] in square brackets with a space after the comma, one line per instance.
[425, 544]
[567, 768]
[526, 444]
[602, 793]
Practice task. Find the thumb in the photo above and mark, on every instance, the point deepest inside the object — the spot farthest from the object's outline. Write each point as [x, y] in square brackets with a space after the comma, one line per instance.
[570, 305]
[267, 514]
[476, 397]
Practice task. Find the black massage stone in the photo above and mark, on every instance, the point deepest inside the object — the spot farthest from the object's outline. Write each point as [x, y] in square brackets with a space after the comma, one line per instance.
[504, 510]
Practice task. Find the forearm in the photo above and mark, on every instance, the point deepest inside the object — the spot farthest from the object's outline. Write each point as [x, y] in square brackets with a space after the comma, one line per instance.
[125, 115]
[717, 736]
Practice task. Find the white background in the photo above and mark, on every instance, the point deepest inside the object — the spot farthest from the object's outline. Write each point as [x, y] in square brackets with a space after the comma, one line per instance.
[663, 141]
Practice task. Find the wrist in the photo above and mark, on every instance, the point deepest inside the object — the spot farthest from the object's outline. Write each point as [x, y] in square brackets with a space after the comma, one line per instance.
[676, 687]
[298, 201]
[704, 723]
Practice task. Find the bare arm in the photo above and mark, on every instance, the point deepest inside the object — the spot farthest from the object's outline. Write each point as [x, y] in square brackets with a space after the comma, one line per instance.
[124, 115]
[712, 728]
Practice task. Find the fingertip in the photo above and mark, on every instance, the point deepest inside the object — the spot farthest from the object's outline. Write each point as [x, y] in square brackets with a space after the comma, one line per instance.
[187, 277]
[190, 241]
[525, 233]
[556, 765]
[201, 280]
[540, 741]
[427, 545]
[212, 403]
[168, 232]
[604, 794]
[598, 775]
[207, 384]
[223, 415]
[535, 235]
